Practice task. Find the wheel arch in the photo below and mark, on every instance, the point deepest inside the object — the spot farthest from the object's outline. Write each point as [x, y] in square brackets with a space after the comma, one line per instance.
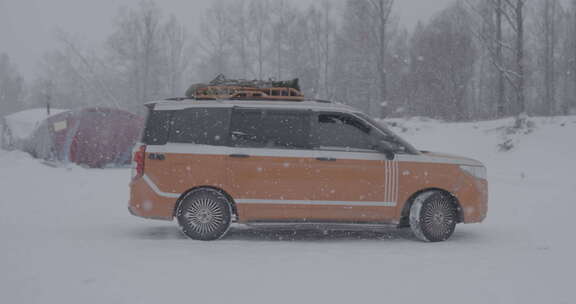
[405, 213]
[220, 190]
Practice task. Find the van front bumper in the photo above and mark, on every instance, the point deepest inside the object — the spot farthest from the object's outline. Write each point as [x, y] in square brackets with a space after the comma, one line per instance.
[473, 199]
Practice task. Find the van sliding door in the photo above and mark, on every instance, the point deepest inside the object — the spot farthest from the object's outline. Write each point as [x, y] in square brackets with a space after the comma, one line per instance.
[268, 169]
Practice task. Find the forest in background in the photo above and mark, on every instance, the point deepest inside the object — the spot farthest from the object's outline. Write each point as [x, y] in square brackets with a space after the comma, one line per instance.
[474, 60]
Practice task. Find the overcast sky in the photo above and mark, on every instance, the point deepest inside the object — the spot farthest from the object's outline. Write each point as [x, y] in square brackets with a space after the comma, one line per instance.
[27, 27]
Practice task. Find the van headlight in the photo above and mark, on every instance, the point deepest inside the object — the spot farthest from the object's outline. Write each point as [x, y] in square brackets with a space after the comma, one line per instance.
[476, 171]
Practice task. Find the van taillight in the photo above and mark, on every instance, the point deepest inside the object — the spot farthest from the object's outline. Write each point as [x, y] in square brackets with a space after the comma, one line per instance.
[139, 157]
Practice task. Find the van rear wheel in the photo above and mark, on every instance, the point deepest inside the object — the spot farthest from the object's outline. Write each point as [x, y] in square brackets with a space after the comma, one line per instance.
[204, 214]
[433, 216]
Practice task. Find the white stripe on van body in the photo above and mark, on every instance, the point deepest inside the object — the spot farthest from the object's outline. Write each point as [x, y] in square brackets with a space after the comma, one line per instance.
[316, 203]
[280, 202]
[157, 190]
[391, 180]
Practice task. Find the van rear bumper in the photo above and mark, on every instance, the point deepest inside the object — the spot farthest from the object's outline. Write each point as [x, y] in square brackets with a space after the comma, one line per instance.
[145, 203]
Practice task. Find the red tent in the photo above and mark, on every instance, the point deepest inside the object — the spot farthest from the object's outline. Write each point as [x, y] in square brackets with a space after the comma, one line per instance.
[95, 137]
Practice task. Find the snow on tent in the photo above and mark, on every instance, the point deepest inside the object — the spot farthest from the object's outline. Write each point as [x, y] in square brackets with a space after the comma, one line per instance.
[94, 137]
[16, 128]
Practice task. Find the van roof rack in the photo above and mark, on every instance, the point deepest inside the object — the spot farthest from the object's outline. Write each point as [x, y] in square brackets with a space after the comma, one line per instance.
[239, 89]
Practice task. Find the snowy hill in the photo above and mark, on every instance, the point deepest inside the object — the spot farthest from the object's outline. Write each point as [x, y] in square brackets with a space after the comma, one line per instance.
[68, 238]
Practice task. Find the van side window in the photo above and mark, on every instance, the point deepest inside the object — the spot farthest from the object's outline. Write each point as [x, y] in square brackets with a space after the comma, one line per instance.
[157, 128]
[276, 129]
[338, 131]
[200, 126]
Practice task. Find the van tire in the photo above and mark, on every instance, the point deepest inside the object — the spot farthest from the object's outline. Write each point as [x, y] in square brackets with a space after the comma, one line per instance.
[204, 214]
[433, 216]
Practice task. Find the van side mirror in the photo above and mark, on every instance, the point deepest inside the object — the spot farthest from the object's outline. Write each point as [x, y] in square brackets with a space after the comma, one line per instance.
[385, 148]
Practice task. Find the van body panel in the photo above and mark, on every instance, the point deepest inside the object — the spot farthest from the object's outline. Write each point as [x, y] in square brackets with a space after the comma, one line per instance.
[303, 181]
[254, 180]
[357, 182]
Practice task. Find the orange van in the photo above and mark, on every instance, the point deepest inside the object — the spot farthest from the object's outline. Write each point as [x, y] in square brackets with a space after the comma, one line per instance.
[209, 163]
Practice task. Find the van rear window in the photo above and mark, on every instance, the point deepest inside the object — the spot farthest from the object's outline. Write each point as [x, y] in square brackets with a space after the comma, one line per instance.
[157, 128]
[200, 126]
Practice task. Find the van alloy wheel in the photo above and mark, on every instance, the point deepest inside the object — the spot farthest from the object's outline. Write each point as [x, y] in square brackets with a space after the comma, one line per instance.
[433, 216]
[204, 214]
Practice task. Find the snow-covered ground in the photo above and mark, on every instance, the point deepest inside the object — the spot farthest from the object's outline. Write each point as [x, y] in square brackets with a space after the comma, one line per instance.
[66, 237]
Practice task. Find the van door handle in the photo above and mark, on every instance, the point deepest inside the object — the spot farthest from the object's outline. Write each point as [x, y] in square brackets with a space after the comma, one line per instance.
[156, 156]
[239, 155]
[325, 159]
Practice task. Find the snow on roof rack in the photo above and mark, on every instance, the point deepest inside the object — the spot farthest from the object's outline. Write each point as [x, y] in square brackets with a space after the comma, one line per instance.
[238, 89]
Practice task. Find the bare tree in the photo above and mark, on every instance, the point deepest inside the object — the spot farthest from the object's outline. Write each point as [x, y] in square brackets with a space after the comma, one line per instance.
[11, 86]
[503, 14]
[85, 67]
[513, 12]
[61, 82]
[148, 55]
[136, 47]
[547, 18]
[362, 53]
[282, 17]
[382, 10]
[490, 34]
[317, 48]
[499, 57]
[442, 63]
[569, 60]
[216, 39]
[573, 55]
[327, 41]
[241, 39]
[177, 52]
[354, 63]
[260, 23]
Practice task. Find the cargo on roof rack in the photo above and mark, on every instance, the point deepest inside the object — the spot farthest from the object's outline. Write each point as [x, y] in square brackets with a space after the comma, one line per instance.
[223, 88]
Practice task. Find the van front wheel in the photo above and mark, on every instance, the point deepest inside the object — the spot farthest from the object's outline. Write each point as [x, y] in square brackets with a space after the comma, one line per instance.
[204, 214]
[433, 216]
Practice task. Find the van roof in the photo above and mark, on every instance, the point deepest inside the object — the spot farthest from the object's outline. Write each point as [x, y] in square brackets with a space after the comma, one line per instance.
[183, 103]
